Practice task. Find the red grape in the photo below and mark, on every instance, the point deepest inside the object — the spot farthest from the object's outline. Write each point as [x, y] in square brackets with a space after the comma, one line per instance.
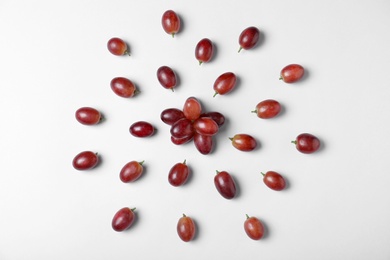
[186, 228]
[131, 171]
[248, 38]
[274, 180]
[183, 140]
[267, 109]
[123, 87]
[117, 47]
[307, 143]
[141, 129]
[204, 143]
[192, 108]
[244, 142]
[205, 126]
[292, 73]
[225, 83]
[88, 116]
[253, 228]
[178, 174]
[171, 115]
[182, 128]
[123, 219]
[85, 160]
[167, 77]
[225, 185]
[170, 22]
[204, 51]
[216, 116]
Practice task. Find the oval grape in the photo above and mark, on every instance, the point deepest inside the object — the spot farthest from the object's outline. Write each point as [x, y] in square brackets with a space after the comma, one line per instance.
[182, 128]
[85, 160]
[216, 116]
[131, 171]
[204, 51]
[248, 38]
[192, 108]
[225, 83]
[178, 174]
[117, 46]
[205, 126]
[123, 219]
[225, 185]
[123, 87]
[307, 143]
[141, 129]
[170, 22]
[254, 228]
[244, 142]
[88, 116]
[267, 109]
[186, 228]
[183, 140]
[171, 115]
[203, 143]
[274, 180]
[292, 73]
[167, 77]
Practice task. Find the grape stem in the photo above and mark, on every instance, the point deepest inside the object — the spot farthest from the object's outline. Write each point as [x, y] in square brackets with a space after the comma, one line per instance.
[240, 49]
[246, 216]
[262, 173]
[173, 35]
[127, 53]
[216, 93]
[184, 161]
[294, 142]
[254, 111]
[142, 162]
[200, 62]
[133, 209]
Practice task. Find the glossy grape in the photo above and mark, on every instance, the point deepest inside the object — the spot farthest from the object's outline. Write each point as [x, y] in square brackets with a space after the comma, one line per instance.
[179, 174]
[141, 129]
[203, 143]
[274, 180]
[170, 22]
[307, 143]
[204, 51]
[292, 73]
[167, 77]
[183, 140]
[186, 228]
[85, 160]
[123, 87]
[131, 171]
[225, 185]
[171, 115]
[267, 109]
[216, 116]
[88, 116]
[182, 128]
[253, 228]
[244, 142]
[248, 38]
[192, 108]
[123, 219]
[117, 47]
[225, 83]
[205, 126]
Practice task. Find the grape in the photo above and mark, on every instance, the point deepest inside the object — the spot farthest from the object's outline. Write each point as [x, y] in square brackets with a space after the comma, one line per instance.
[274, 180]
[85, 160]
[88, 116]
[253, 228]
[183, 140]
[204, 51]
[131, 171]
[292, 73]
[123, 219]
[267, 109]
[192, 108]
[182, 128]
[117, 47]
[216, 116]
[170, 22]
[225, 83]
[186, 228]
[171, 115]
[123, 87]
[225, 185]
[178, 174]
[248, 38]
[244, 142]
[141, 129]
[167, 77]
[307, 143]
[205, 126]
[204, 143]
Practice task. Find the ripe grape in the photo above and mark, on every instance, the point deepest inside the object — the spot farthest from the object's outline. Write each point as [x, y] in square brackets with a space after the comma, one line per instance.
[123, 219]
[170, 22]
[182, 128]
[141, 129]
[225, 185]
[216, 116]
[292, 73]
[253, 228]
[117, 47]
[274, 180]
[267, 109]
[85, 160]
[248, 38]
[225, 83]
[178, 174]
[192, 108]
[204, 51]
[123, 87]
[171, 115]
[88, 116]
[131, 171]
[186, 228]
[307, 143]
[183, 140]
[244, 142]
[204, 143]
[205, 126]
[167, 77]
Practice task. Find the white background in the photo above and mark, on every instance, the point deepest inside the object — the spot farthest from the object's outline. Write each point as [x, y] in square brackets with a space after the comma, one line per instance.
[54, 59]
